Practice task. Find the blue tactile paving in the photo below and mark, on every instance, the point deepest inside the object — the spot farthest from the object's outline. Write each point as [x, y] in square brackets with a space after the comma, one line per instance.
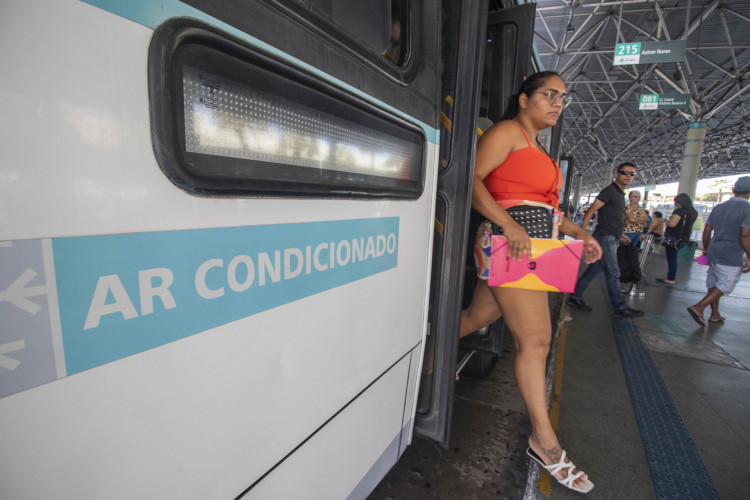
[677, 470]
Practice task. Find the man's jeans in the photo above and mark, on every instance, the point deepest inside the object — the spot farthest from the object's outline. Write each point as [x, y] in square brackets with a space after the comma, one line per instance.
[608, 263]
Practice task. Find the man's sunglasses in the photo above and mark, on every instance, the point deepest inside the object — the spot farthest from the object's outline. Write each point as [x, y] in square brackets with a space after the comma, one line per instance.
[627, 172]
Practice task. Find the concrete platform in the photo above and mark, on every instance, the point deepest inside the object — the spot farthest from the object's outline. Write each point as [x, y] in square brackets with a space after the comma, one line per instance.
[486, 458]
[612, 382]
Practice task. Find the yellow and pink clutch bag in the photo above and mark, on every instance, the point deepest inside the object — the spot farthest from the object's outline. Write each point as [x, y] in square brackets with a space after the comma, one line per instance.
[552, 266]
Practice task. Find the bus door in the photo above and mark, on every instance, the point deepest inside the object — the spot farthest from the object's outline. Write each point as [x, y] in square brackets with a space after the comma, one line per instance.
[485, 57]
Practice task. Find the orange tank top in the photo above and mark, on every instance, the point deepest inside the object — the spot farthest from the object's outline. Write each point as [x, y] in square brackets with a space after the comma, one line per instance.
[527, 174]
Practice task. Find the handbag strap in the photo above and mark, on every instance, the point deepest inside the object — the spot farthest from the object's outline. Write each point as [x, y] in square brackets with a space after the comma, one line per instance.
[683, 225]
[684, 218]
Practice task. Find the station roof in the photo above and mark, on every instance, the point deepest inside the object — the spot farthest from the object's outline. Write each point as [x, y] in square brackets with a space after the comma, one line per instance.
[577, 39]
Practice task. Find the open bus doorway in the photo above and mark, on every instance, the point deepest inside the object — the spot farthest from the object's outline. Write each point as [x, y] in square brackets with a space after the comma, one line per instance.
[486, 54]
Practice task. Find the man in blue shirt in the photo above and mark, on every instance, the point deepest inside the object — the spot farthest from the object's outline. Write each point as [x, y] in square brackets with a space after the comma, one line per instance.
[610, 204]
[730, 223]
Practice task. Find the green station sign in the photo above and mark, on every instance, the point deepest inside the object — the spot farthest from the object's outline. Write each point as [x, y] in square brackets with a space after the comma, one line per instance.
[664, 101]
[650, 52]
[627, 53]
[649, 101]
[674, 101]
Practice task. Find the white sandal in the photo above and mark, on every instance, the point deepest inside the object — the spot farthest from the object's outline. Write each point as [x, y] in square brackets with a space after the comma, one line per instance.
[570, 477]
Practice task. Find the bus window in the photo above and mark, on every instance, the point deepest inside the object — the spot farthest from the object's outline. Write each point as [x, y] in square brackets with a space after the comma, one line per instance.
[499, 75]
[365, 20]
[231, 121]
[378, 25]
[396, 52]
[376, 30]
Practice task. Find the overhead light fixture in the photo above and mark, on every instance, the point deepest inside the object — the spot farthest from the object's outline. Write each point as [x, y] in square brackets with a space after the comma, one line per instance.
[570, 28]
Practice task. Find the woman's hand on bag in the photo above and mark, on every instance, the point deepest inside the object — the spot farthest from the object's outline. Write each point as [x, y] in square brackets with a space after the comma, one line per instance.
[518, 240]
[591, 249]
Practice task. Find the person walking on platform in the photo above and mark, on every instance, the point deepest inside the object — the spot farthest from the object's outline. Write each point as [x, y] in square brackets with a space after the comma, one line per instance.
[610, 204]
[679, 226]
[730, 224]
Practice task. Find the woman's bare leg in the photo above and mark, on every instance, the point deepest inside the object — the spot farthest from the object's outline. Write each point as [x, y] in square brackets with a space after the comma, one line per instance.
[526, 313]
[482, 311]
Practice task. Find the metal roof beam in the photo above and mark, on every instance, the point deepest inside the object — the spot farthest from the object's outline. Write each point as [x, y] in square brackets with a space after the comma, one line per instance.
[609, 81]
[551, 41]
[602, 24]
[614, 3]
[729, 39]
[695, 106]
[685, 89]
[705, 15]
[671, 82]
[709, 61]
[741, 16]
[574, 67]
[723, 103]
[598, 24]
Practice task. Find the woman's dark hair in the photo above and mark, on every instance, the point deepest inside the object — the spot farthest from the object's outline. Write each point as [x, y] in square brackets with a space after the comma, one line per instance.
[658, 214]
[528, 87]
[685, 202]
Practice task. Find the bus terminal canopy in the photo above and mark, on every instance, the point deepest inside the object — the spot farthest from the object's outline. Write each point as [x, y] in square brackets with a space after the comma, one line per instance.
[578, 39]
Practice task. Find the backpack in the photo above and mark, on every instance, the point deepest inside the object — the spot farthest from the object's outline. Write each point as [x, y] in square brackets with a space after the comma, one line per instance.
[627, 261]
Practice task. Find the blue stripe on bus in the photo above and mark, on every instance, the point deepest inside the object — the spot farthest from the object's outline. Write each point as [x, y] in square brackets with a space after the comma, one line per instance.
[152, 14]
[125, 293]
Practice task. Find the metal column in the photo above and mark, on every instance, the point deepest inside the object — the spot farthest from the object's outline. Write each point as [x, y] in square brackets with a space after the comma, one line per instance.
[691, 159]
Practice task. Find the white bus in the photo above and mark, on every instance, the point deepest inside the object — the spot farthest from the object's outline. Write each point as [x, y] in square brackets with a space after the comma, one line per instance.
[229, 232]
